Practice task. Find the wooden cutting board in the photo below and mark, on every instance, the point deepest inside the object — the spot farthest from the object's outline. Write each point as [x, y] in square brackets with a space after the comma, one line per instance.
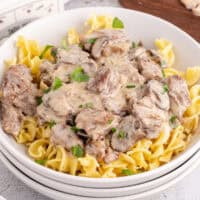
[171, 10]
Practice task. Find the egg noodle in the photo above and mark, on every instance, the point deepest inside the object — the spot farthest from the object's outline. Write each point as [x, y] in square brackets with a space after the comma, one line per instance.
[145, 155]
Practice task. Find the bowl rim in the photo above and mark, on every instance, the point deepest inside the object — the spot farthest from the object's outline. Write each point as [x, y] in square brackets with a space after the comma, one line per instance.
[171, 175]
[29, 161]
[43, 188]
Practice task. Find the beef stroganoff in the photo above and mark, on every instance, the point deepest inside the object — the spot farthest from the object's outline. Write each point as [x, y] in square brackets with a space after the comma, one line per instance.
[99, 105]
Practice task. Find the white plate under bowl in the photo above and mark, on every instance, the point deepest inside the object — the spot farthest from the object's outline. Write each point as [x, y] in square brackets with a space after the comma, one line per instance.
[94, 192]
[54, 194]
[139, 26]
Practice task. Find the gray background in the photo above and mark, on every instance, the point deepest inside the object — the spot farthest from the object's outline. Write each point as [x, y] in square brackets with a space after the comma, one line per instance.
[13, 189]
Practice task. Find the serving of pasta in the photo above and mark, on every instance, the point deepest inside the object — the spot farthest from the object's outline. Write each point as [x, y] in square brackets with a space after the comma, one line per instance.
[98, 149]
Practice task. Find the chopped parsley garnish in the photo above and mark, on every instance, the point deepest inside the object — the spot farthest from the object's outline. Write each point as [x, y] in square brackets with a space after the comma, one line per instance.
[163, 73]
[92, 40]
[127, 172]
[56, 84]
[79, 75]
[81, 46]
[51, 123]
[41, 162]
[134, 45]
[117, 23]
[121, 134]
[77, 151]
[64, 43]
[165, 88]
[87, 105]
[110, 121]
[163, 63]
[75, 129]
[173, 119]
[113, 130]
[54, 52]
[130, 86]
[47, 47]
[47, 90]
[39, 100]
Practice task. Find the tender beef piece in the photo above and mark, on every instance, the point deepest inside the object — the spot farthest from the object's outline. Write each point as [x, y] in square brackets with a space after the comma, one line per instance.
[18, 97]
[63, 135]
[141, 52]
[128, 132]
[61, 70]
[67, 61]
[133, 95]
[97, 122]
[149, 69]
[96, 147]
[100, 149]
[11, 119]
[115, 103]
[107, 42]
[59, 105]
[111, 155]
[121, 64]
[106, 81]
[148, 62]
[155, 90]
[134, 53]
[179, 95]
[74, 55]
[18, 89]
[47, 69]
[98, 46]
[150, 117]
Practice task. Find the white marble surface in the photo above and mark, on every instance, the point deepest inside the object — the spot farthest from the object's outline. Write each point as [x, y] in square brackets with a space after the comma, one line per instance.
[13, 189]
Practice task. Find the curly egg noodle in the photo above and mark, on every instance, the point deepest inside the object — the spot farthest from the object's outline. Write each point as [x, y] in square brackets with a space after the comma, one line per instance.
[145, 155]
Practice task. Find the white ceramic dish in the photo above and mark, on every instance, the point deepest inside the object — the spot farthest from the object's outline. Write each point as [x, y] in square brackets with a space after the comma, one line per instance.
[54, 194]
[92, 192]
[140, 26]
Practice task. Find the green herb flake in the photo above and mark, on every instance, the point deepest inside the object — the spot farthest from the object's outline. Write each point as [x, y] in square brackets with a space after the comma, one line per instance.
[54, 52]
[113, 130]
[165, 88]
[64, 43]
[173, 119]
[78, 75]
[46, 48]
[134, 45]
[57, 83]
[81, 46]
[121, 134]
[91, 41]
[87, 105]
[163, 73]
[130, 86]
[47, 90]
[51, 123]
[117, 23]
[39, 100]
[75, 129]
[127, 172]
[110, 121]
[41, 162]
[163, 63]
[77, 151]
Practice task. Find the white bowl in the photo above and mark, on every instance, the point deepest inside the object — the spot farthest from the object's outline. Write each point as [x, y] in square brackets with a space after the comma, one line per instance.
[139, 26]
[57, 195]
[103, 193]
